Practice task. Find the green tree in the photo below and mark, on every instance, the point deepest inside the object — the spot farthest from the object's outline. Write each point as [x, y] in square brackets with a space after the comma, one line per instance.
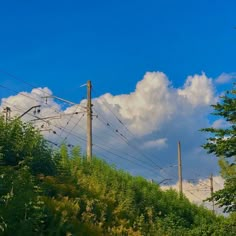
[222, 143]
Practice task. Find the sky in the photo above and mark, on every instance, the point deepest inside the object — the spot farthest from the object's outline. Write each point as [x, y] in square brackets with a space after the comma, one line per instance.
[114, 43]
[156, 66]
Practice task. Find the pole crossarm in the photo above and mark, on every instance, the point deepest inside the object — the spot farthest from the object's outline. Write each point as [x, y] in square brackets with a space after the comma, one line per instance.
[28, 111]
[57, 116]
[164, 181]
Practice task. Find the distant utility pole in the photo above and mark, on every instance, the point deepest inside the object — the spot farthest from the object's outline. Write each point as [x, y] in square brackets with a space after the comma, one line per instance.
[212, 191]
[89, 121]
[7, 111]
[180, 170]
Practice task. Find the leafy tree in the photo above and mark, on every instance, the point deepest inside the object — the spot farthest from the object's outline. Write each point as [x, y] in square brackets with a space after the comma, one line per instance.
[222, 143]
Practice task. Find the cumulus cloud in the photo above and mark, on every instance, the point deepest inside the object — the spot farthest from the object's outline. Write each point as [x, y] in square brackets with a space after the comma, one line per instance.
[225, 78]
[147, 107]
[24, 100]
[198, 191]
[198, 90]
[153, 118]
[51, 117]
[155, 102]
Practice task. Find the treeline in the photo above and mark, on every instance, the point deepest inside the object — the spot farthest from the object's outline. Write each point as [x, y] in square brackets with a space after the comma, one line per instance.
[48, 192]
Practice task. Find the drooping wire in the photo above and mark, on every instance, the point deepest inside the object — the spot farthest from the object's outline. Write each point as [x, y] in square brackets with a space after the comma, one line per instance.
[125, 139]
[73, 128]
[111, 152]
[117, 132]
[48, 123]
[133, 146]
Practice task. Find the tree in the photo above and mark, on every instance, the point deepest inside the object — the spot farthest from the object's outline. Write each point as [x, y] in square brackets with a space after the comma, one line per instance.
[22, 144]
[222, 143]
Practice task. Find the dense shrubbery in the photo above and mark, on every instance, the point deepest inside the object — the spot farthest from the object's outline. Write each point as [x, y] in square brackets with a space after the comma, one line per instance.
[60, 193]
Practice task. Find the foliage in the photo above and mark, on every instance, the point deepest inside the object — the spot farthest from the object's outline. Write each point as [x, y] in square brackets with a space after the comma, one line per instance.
[222, 143]
[77, 197]
[20, 142]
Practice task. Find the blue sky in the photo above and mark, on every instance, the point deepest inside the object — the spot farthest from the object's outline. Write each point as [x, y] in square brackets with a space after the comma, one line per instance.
[62, 44]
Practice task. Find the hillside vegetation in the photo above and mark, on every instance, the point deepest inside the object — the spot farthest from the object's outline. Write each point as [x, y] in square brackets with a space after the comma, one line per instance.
[48, 192]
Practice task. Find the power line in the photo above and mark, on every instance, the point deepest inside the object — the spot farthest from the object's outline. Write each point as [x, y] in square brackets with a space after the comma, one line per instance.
[115, 149]
[55, 126]
[135, 147]
[62, 129]
[74, 127]
[16, 78]
[194, 195]
[29, 84]
[113, 113]
[120, 135]
[27, 96]
[116, 131]
[32, 98]
[111, 152]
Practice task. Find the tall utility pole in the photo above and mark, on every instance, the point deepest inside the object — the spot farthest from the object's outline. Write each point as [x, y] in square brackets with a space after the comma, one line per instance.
[212, 191]
[89, 121]
[180, 170]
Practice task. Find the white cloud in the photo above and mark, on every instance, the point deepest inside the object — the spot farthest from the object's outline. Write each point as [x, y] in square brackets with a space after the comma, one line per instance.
[155, 103]
[156, 116]
[158, 143]
[225, 78]
[24, 100]
[198, 191]
[198, 90]
[147, 107]
[220, 123]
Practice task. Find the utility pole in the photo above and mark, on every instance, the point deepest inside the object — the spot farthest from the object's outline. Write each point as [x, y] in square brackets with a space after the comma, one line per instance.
[7, 110]
[89, 121]
[180, 170]
[212, 191]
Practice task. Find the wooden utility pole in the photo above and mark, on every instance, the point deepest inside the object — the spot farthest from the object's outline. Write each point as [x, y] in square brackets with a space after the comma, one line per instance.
[180, 170]
[89, 121]
[212, 191]
[7, 110]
